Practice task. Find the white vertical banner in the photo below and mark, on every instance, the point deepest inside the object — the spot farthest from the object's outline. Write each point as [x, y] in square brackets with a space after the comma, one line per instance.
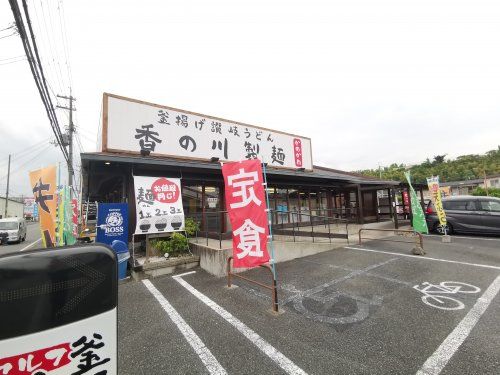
[158, 202]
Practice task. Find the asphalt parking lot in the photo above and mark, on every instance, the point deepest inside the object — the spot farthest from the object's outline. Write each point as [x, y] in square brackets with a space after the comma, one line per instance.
[353, 310]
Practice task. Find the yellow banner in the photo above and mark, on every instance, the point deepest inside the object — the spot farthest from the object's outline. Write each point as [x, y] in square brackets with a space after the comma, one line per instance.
[43, 184]
[433, 184]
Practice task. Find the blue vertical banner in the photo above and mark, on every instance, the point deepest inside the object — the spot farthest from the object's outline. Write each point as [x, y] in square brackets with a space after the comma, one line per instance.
[112, 222]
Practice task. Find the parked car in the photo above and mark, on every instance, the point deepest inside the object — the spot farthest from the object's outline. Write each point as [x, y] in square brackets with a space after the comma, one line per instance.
[467, 214]
[14, 228]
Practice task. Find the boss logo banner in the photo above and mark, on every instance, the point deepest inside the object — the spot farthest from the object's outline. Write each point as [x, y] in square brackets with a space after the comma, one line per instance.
[112, 222]
[158, 203]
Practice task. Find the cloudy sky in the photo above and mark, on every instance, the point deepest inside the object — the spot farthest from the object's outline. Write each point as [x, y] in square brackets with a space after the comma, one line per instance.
[371, 82]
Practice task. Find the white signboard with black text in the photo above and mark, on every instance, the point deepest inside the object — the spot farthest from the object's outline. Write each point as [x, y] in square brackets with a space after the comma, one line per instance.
[158, 203]
[134, 126]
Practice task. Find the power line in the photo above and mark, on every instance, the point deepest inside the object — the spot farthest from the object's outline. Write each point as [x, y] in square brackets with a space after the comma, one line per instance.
[37, 69]
[26, 152]
[12, 58]
[64, 35]
[7, 36]
[8, 28]
[47, 44]
[15, 61]
[20, 168]
[57, 66]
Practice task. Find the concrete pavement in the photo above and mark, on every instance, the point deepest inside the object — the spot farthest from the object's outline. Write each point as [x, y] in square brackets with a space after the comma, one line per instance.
[348, 311]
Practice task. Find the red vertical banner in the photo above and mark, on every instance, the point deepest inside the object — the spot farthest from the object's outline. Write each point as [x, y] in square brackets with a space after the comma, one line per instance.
[74, 216]
[297, 152]
[246, 204]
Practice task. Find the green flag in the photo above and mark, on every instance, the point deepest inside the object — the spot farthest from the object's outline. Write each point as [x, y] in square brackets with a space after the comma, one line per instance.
[419, 224]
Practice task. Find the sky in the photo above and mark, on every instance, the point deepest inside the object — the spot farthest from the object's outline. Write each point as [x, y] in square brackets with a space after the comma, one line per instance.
[370, 82]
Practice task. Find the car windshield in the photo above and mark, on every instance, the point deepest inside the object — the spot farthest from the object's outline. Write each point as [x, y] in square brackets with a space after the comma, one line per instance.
[8, 225]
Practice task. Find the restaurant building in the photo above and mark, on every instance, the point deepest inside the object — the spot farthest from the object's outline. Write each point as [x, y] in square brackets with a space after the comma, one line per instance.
[145, 139]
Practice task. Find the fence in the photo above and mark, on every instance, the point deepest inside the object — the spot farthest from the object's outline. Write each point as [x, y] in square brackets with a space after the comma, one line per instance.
[215, 225]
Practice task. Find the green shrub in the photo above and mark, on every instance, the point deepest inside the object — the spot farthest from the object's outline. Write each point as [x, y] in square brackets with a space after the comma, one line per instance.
[175, 245]
[163, 246]
[492, 192]
[191, 226]
[178, 243]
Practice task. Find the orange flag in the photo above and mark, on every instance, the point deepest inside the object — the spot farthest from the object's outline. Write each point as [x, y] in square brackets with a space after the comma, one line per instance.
[43, 184]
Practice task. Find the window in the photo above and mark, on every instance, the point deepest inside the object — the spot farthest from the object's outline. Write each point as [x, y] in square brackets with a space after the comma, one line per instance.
[8, 225]
[459, 205]
[492, 206]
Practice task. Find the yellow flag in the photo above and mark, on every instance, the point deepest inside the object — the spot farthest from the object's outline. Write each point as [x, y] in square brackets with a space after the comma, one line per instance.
[433, 183]
[43, 184]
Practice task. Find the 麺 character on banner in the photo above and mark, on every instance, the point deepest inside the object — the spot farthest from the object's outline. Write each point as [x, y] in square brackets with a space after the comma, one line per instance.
[158, 205]
[246, 204]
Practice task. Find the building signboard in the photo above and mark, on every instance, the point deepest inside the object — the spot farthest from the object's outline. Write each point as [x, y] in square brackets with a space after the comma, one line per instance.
[134, 126]
[158, 203]
[29, 207]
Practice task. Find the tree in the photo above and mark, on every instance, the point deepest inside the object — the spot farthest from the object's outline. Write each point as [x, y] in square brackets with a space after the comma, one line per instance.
[464, 167]
[439, 159]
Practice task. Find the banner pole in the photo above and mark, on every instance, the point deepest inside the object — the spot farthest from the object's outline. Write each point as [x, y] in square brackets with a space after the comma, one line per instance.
[269, 220]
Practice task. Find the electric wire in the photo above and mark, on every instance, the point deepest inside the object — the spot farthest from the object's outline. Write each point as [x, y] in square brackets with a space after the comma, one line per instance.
[12, 58]
[8, 36]
[37, 69]
[15, 61]
[21, 167]
[26, 152]
[46, 40]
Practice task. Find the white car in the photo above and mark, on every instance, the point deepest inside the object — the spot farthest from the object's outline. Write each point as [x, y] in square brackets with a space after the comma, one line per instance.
[14, 227]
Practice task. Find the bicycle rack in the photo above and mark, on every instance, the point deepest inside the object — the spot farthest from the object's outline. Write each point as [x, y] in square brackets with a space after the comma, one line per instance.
[272, 288]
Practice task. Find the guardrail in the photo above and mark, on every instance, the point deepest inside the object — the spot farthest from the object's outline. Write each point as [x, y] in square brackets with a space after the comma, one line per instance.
[419, 244]
[272, 288]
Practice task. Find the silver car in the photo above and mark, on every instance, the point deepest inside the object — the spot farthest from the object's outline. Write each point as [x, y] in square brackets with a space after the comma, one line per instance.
[467, 214]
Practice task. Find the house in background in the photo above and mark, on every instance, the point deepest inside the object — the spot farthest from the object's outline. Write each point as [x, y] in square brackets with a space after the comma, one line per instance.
[467, 186]
[14, 208]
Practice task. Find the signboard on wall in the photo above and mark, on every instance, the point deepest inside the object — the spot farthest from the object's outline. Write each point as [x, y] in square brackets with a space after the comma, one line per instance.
[133, 126]
[29, 207]
[158, 203]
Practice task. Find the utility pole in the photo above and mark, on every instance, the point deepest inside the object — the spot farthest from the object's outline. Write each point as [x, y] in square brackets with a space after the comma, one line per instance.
[69, 141]
[7, 192]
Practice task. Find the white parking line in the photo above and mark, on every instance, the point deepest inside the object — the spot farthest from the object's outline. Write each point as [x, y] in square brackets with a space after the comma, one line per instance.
[31, 244]
[464, 237]
[437, 361]
[213, 366]
[286, 364]
[420, 257]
